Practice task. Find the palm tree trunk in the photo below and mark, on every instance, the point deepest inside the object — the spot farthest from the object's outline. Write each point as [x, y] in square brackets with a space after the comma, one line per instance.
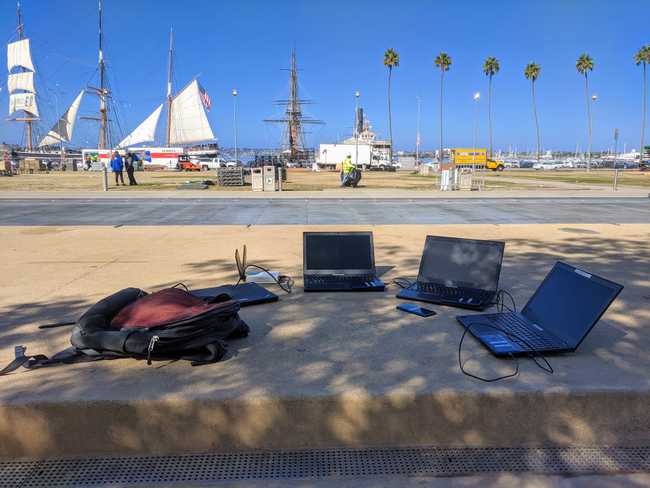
[536, 120]
[588, 121]
[490, 112]
[390, 121]
[442, 78]
[643, 117]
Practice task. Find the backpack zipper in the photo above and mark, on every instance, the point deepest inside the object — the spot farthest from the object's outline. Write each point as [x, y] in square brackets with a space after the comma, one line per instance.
[152, 344]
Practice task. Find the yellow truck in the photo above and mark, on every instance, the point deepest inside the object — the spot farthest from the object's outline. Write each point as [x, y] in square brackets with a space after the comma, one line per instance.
[476, 158]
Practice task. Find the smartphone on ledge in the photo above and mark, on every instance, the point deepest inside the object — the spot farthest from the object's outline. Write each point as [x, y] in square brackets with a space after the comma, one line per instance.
[415, 309]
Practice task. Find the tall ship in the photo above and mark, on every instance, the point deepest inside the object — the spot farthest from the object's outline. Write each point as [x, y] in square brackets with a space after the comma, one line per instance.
[24, 104]
[186, 122]
[294, 152]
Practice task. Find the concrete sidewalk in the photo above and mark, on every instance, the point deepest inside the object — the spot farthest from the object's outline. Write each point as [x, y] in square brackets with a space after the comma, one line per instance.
[318, 370]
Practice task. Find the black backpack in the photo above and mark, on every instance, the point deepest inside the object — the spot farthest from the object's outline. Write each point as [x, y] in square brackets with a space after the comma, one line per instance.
[169, 324]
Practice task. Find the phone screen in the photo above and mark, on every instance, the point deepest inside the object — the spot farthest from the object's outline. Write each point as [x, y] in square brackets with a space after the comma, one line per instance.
[415, 309]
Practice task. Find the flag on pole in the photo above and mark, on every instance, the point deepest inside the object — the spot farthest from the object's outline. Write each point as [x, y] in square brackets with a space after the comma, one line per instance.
[205, 98]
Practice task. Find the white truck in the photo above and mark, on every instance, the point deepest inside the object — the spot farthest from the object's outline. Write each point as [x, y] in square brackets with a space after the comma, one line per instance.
[209, 163]
[363, 156]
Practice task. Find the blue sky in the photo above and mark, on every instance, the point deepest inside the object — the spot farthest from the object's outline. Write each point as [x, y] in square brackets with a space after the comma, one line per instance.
[340, 45]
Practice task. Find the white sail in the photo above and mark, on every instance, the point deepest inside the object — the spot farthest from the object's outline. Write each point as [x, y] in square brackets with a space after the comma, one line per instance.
[62, 130]
[19, 54]
[145, 132]
[21, 81]
[189, 122]
[23, 101]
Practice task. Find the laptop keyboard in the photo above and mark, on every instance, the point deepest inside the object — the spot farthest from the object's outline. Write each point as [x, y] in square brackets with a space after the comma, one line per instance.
[535, 340]
[454, 293]
[330, 281]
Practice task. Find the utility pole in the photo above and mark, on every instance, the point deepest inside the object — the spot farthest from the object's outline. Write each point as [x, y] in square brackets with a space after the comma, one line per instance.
[170, 67]
[615, 155]
[234, 123]
[417, 135]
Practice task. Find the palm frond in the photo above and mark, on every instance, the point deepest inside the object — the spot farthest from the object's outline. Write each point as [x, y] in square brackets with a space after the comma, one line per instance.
[391, 58]
[443, 61]
[584, 64]
[491, 66]
[532, 71]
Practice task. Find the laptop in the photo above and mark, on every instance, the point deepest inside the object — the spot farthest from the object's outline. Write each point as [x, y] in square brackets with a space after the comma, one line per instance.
[457, 272]
[245, 293]
[557, 318]
[339, 261]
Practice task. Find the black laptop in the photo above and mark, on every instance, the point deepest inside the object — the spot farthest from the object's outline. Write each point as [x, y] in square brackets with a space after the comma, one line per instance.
[557, 318]
[457, 272]
[245, 293]
[339, 261]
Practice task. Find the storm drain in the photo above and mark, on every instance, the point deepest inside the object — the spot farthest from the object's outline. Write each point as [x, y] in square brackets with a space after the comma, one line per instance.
[322, 463]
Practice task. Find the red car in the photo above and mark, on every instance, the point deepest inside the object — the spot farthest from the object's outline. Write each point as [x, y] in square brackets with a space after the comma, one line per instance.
[188, 166]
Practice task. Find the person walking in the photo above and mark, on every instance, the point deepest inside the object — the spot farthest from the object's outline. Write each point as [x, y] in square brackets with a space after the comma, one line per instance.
[129, 164]
[117, 165]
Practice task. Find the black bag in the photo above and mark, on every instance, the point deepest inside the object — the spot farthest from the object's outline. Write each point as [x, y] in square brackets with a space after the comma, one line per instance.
[169, 324]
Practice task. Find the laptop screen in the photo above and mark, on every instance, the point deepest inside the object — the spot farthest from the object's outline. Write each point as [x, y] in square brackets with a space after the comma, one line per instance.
[466, 263]
[338, 251]
[569, 302]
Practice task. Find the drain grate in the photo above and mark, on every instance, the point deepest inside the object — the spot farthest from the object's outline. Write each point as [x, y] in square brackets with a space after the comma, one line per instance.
[420, 461]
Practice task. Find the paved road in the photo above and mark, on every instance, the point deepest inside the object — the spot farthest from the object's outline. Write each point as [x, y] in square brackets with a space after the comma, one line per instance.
[322, 211]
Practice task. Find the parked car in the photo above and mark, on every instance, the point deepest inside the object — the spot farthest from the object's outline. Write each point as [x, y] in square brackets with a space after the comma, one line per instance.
[546, 165]
[209, 163]
[188, 166]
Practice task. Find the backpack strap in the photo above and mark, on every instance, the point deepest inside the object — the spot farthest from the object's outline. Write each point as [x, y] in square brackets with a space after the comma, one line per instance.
[67, 356]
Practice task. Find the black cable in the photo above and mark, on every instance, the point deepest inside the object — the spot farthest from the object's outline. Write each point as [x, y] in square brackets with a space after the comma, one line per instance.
[58, 324]
[182, 285]
[402, 282]
[531, 354]
[283, 281]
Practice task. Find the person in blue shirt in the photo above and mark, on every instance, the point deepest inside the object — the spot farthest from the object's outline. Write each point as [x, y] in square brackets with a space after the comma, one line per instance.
[117, 165]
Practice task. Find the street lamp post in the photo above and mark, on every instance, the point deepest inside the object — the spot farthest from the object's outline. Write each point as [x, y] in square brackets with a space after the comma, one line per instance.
[234, 122]
[477, 97]
[356, 127]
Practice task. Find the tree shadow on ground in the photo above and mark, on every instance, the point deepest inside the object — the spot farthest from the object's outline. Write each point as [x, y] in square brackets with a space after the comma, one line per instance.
[348, 369]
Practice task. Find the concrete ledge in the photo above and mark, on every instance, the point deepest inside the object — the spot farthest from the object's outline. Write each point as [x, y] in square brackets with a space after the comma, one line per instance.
[318, 370]
[442, 419]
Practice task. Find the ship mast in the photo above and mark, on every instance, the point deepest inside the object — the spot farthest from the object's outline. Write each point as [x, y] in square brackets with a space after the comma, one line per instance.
[28, 120]
[103, 108]
[294, 118]
[170, 67]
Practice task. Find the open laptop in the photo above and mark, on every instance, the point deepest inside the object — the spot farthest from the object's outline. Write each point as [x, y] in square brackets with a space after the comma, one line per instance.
[457, 272]
[557, 317]
[339, 261]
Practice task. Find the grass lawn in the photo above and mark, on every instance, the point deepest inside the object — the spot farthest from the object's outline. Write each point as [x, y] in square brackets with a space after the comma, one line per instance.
[306, 180]
[603, 177]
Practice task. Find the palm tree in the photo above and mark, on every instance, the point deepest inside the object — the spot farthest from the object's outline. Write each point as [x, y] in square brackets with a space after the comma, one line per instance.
[490, 68]
[642, 57]
[584, 65]
[391, 60]
[531, 72]
[442, 61]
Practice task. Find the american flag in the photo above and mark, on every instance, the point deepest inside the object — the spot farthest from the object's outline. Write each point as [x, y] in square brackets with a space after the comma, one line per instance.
[205, 98]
